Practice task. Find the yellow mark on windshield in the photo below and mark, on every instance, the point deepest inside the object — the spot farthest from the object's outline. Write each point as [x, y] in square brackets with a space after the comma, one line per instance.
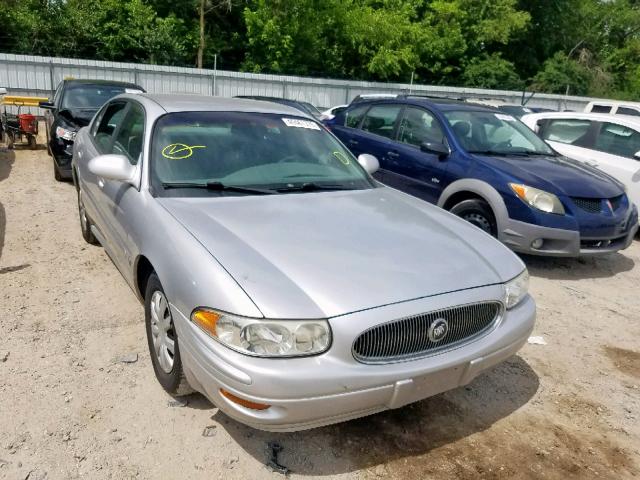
[178, 151]
[342, 157]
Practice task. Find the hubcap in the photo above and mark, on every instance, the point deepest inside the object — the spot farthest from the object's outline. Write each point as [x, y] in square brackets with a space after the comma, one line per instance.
[478, 220]
[162, 331]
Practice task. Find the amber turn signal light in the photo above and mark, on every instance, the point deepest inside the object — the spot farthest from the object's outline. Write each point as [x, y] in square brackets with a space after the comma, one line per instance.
[206, 319]
[243, 402]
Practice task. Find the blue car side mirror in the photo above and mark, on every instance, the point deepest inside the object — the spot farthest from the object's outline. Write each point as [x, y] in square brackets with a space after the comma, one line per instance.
[435, 147]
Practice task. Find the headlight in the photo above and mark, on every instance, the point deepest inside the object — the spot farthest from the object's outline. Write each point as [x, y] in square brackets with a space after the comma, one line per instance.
[65, 133]
[264, 337]
[545, 201]
[516, 289]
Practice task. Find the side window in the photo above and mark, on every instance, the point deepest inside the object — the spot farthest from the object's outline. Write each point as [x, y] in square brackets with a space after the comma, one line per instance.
[419, 126]
[628, 111]
[618, 140]
[566, 130]
[108, 124]
[129, 139]
[381, 119]
[354, 117]
[601, 108]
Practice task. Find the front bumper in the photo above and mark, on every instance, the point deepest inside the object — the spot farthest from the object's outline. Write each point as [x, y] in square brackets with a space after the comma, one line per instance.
[558, 242]
[333, 387]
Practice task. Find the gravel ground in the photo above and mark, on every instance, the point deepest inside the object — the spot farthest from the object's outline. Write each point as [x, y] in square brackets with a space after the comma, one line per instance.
[78, 397]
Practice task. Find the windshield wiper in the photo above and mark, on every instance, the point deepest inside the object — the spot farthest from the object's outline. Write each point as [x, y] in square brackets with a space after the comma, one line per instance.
[312, 187]
[218, 187]
[520, 153]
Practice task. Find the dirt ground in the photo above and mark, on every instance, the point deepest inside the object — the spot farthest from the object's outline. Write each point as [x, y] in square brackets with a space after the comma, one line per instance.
[70, 407]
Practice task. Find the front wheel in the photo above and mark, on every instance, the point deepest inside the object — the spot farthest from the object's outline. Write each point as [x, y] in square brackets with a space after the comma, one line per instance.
[162, 338]
[478, 213]
[85, 223]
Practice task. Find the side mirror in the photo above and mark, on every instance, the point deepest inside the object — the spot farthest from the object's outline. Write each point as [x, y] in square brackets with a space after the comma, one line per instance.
[47, 105]
[435, 147]
[112, 167]
[3, 91]
[637, 155]
[369, 163]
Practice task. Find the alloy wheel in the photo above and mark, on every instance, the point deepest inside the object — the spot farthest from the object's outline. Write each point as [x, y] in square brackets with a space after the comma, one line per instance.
[162, 331]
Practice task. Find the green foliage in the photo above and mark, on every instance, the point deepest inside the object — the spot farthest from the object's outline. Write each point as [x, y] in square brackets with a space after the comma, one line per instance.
[492, 71]
[590, 46]
[560, 74]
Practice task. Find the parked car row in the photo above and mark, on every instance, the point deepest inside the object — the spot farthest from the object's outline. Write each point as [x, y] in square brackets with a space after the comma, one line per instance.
[263, 241]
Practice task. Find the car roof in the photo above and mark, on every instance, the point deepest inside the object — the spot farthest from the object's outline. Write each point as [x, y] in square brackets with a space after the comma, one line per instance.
[202, 103]
[86, 81]
[436, 103]
[600, 117]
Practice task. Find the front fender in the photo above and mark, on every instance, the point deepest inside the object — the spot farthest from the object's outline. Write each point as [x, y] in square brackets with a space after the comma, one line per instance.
[483, 190]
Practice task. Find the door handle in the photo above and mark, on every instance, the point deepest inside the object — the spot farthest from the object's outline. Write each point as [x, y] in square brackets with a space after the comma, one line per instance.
[393, 154]
[593, 164]
[353, 142]
[101, 183]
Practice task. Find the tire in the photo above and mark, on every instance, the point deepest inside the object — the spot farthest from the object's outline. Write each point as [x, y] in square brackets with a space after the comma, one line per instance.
[161, 332]
[478, 213]
[10, 140]
[56, 172]
[85, 223]
[32, 142]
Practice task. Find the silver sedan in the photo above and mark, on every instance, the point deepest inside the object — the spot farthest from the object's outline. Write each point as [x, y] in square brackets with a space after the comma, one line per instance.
[278, 278]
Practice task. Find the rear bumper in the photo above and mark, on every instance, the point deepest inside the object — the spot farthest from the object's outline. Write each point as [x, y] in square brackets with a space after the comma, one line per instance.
[557, 242]
[333, 387]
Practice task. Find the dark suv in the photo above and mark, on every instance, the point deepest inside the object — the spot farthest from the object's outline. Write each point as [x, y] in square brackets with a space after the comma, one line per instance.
[74, 104]
[490, 169]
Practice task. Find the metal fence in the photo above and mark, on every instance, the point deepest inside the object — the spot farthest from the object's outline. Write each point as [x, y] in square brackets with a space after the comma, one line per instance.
[31, 75]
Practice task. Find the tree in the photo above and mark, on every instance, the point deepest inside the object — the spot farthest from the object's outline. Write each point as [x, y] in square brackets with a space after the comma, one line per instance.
[492, 71]
[560, 74]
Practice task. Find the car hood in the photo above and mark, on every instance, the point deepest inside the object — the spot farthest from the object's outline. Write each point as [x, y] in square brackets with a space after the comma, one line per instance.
[325, 254]
[78, 117]
[559, 175]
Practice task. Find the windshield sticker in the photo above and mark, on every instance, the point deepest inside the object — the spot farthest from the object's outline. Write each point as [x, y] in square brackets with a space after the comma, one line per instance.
[506, 118]
[132, 90]
[342, 157]
[297, 123]
[178, 151]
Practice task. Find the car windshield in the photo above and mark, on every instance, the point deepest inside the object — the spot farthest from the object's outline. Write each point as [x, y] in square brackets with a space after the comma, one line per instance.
[495, 133]
[90, 97]
[234, 152]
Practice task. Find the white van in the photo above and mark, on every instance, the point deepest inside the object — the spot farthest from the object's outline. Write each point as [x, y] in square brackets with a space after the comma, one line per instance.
[615, 108]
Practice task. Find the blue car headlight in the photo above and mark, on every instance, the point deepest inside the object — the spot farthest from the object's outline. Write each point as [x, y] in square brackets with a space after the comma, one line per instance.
[538, 199]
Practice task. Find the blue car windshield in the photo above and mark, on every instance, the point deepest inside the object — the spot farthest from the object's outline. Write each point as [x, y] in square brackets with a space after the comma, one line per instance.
[495, 133]
[243, 150]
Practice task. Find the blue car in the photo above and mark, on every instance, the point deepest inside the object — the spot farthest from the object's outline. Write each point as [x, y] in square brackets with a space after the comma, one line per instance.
[492, 170]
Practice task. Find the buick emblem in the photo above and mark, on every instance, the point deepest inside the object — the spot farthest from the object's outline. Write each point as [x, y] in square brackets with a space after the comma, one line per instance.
[438, 330]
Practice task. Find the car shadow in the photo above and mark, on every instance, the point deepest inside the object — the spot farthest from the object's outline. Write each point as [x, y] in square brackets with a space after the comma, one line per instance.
[554, 268]
[412, 430]
[7, 159]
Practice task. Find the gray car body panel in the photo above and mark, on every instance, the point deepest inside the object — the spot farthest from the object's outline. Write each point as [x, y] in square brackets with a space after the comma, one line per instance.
[358, 258]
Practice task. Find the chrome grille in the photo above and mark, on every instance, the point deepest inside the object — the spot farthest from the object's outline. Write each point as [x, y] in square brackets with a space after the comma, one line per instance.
[408, 338]
[591, 205]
